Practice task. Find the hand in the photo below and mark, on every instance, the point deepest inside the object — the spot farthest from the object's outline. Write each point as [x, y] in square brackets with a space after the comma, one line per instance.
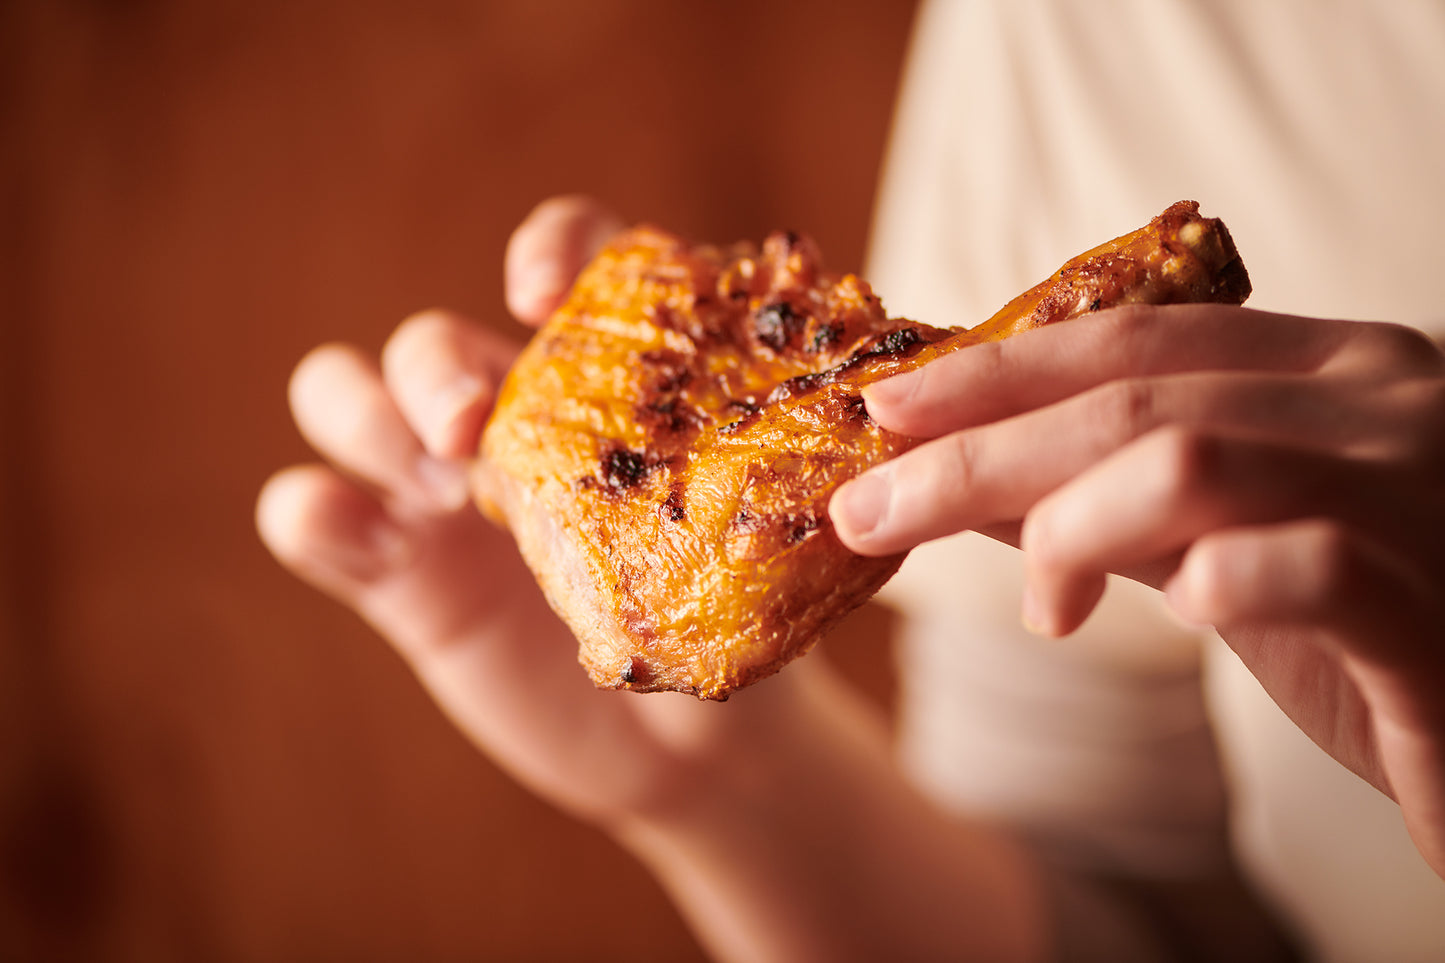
[387, 529]
[1281, 478]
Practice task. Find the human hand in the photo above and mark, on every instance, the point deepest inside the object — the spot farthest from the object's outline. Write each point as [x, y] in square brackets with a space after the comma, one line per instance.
[387, 529]
[1281, 478]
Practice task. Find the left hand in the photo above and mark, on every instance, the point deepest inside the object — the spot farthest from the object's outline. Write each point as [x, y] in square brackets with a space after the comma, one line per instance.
[1281, 478]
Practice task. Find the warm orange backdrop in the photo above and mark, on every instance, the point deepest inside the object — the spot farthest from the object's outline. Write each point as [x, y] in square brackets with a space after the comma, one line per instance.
[200, 759]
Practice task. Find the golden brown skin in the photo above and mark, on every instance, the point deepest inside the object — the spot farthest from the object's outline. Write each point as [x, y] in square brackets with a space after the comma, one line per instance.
[665, 449]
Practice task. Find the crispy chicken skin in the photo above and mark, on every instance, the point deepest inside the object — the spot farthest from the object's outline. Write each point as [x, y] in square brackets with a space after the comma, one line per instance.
[665, 448]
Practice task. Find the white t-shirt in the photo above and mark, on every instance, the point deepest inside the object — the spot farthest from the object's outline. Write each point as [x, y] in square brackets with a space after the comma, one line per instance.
[1031, 130]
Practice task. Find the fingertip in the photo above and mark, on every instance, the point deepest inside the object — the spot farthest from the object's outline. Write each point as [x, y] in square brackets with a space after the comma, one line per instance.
[859, 510]
[1059, 592]
[549, 248]
[1059, 610]
[534, 288]
[277, 510]
[934, 399]
[443, 372]
[1036, 617]
[1184, 594]
[315, 374]
[326, 530]
[888, 401]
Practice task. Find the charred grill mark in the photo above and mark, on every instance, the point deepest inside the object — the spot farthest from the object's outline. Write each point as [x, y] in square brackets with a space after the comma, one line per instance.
[668, 414]
[900, 343]
[777, 324]
[894, 342]
[623, 468]
[672, 508]
[638, 674]
[808, 382]
[745, 522]
[903, 342]
[803, 525]
[670, 368]
[825, 337]
[701, 327]
[747, 407]
[664, 316]
[781, 530]
[663, 407]
[854, 409]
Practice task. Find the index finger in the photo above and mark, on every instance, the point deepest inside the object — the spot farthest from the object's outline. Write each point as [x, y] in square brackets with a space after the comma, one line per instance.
[998, 379]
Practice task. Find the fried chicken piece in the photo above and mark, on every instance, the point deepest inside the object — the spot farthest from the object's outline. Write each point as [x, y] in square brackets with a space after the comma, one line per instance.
[665, 448]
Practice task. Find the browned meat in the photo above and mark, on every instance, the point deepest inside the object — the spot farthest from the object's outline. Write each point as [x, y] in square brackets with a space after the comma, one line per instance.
[665, 448]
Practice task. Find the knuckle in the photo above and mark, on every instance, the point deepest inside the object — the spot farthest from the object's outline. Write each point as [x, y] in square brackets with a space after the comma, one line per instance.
[1129, 407]
[1037, 540]
[1125, 322]
[958, 465]
[1186, 459]
[1398, 347]
[987, 356]
[1207, 569]
[1422, 412]
[1330, 561]
[1218, 601]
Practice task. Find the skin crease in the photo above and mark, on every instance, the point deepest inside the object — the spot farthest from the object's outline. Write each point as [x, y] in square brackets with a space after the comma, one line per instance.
[1280, 478]
[759, 816]
[778, 821]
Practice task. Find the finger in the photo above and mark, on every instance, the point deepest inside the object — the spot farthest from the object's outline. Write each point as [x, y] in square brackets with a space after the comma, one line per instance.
[997, 472]
[1370, 611]
[1155, 497]
[328, 531]
[1312, 572]
[987, 382]
[443, 373]
[1377, 346]
[420, 582]
[549, 248]
[344, 411]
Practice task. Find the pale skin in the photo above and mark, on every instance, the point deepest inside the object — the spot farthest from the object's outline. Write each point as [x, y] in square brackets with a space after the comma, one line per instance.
[1280, 478]
[778, 821]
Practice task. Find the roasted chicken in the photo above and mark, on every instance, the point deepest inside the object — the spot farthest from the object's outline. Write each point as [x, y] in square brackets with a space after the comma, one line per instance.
[665, 448]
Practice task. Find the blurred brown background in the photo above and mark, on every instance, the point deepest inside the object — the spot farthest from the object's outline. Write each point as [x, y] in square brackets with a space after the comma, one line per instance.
[200, 759]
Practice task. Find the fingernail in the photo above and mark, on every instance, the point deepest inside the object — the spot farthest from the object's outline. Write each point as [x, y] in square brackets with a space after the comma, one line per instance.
[896, 390]
[443, 482]
[862, 504]
[536, 286]
[1176, 600]
[1033, 613]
